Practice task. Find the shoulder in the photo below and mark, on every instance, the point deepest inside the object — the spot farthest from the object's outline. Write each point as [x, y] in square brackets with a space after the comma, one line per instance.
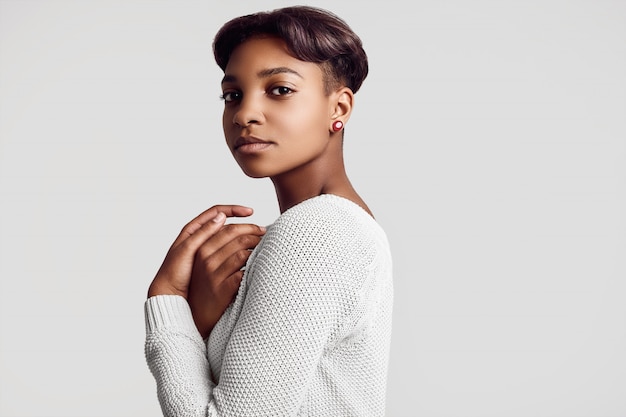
[325, 215]
[326, 254]
[328, 227]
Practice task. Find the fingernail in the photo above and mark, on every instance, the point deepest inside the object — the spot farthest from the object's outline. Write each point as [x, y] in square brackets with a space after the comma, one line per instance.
[263, 229]
[219, 217]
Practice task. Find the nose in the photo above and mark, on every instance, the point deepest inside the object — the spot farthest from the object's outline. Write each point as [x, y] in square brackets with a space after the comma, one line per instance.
[248, 112]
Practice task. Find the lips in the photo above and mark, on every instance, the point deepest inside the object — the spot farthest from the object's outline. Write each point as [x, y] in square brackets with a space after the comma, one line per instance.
[250, 143]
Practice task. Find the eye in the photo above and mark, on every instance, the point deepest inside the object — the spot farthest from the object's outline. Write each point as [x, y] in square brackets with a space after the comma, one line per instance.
[230, 96]
[281, 91]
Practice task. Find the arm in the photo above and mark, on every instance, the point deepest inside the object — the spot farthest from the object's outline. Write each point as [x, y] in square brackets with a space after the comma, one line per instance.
[176, 356]
[300, 290]
[274, 351]
[201, 269]
[203, 265]
[292, 312]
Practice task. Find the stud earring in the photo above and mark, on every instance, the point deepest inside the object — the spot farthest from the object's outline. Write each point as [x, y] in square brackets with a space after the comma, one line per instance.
[337, 126]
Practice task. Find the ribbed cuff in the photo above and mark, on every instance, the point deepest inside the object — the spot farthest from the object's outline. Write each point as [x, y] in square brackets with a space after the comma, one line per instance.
[168, 311]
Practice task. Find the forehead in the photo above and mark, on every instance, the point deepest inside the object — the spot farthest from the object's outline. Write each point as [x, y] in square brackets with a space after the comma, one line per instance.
[260, 55]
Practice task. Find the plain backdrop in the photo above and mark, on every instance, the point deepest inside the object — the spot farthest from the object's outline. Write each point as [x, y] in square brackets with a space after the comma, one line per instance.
[489, 140]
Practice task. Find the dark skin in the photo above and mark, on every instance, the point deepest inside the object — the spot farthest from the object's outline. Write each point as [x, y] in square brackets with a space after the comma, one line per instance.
[274, 97]
[277, 123]
[203, 264]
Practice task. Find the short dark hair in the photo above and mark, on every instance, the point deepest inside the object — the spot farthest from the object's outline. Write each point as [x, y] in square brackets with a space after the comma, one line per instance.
[311, 34]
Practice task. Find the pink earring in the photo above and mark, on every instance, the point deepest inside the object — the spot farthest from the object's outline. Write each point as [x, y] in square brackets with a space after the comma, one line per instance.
[337, 126]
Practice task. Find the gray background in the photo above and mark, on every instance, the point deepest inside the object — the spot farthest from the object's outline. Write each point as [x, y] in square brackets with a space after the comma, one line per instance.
[489, 140]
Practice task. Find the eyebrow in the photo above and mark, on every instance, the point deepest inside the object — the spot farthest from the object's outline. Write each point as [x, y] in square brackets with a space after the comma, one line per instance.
[265, 73]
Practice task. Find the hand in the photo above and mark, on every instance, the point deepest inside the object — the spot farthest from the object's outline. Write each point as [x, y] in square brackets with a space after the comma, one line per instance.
[217, 273]
[174, 275]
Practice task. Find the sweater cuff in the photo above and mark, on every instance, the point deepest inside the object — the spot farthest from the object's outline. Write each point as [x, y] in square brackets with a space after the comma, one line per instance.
[168, 311]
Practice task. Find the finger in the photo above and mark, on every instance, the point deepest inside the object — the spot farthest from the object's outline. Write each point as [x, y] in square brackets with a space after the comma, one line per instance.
[231, 265]
[226, 260]
[243, 242]
[191, 243]
[232, 256]
[230, 286]
[221, 260]
[227, 240]
[203, 218]
[229, 210]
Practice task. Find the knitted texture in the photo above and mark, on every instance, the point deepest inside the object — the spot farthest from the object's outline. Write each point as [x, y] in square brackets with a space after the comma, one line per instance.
[307, 335]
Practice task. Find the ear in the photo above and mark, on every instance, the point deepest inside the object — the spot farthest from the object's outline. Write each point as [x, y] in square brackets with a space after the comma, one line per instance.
[341, 102]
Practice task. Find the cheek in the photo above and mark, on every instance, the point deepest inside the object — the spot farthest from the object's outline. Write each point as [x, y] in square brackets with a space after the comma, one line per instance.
[227, 124]
[301, 130]
[310, 118]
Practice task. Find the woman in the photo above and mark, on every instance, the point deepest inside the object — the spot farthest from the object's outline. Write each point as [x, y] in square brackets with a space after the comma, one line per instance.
[305, 330]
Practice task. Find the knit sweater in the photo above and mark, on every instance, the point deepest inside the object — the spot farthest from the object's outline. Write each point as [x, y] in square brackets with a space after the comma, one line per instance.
[307, 335]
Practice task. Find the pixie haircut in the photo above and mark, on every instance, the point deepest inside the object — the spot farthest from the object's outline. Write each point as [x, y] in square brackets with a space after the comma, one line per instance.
[311, 34]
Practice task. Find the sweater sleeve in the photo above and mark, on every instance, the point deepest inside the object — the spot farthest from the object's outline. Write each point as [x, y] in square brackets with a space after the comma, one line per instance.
[176, 356]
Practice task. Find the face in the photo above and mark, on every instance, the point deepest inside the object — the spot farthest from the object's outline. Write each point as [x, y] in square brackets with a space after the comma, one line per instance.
[276, 113]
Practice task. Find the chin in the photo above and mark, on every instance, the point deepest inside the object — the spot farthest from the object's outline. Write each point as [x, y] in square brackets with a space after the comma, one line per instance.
[261, 168]
[255, 172]
[255, 175]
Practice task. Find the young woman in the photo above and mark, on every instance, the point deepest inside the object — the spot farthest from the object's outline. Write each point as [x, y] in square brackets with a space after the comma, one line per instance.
[305, 330]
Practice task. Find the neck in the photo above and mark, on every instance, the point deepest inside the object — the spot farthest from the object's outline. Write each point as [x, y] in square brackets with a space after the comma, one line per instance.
[320, 176]
[297, 187]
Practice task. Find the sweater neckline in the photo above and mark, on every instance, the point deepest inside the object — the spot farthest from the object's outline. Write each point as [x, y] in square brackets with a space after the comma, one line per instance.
[339, 199]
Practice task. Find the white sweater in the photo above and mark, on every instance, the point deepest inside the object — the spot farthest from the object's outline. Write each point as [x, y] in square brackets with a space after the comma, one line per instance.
[307, 335]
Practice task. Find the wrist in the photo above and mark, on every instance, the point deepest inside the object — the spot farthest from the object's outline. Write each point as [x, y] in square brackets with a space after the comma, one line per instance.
[159, 288]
